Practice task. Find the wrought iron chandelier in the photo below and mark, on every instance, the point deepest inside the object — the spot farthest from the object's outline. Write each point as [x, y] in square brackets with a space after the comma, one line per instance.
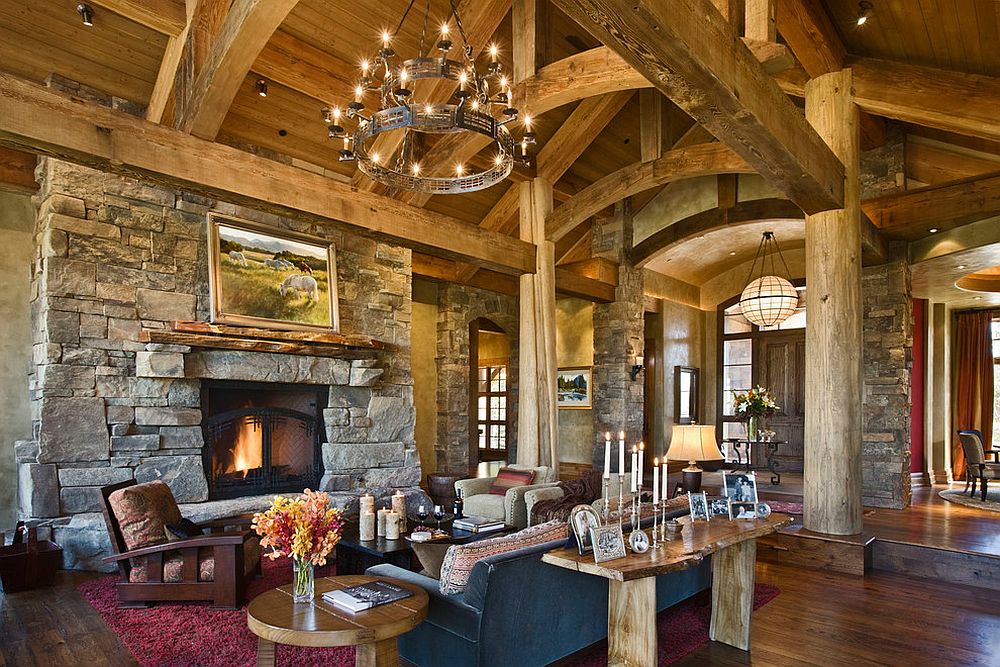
[768, 299]
[479, 95]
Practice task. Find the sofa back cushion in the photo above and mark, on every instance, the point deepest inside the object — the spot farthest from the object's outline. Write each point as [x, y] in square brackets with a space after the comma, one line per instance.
[508, 478]
[143, 511]
[460, 559]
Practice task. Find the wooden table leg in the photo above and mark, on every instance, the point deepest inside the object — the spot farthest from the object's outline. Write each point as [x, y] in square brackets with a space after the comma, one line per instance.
[632, 623]
[378, 654]
[265, 652]
[732, 594]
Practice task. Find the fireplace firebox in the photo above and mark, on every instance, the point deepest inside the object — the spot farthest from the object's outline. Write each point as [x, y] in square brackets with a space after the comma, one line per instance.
[262, 438]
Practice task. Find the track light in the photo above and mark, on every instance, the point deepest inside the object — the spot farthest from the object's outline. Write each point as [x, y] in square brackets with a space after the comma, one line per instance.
[262, 87]
[86, 13]
[864, 12]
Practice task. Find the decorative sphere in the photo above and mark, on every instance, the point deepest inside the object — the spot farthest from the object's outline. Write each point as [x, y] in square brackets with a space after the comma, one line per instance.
[768, 300]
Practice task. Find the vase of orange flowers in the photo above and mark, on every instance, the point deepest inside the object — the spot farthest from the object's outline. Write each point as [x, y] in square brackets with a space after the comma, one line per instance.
[306, 529]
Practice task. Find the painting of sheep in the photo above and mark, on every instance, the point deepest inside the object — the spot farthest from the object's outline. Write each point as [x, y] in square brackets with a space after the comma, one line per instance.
[271, 278]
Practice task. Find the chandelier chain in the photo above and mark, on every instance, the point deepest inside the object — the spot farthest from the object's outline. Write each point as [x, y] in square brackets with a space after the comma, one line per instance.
[423, 30]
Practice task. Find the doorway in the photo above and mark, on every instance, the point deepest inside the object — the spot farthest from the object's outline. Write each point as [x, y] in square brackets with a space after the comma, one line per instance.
[489, 368]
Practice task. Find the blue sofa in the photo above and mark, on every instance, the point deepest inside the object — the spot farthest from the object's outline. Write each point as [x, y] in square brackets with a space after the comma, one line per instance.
[521, 612]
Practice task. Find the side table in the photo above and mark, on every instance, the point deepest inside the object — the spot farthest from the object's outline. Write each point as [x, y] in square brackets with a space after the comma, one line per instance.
[276, 619]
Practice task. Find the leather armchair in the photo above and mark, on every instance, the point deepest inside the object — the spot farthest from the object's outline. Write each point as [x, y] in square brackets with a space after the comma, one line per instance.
[509, 508]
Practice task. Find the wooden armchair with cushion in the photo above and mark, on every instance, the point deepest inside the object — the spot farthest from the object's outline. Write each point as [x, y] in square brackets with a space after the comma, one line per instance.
[977, 469]
[156, 565]
[502, 497]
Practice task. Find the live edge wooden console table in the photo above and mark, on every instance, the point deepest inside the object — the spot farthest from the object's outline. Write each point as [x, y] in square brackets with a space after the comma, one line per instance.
[632, 583]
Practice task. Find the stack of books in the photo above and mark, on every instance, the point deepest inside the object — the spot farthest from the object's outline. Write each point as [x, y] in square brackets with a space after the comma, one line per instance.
[477, 524]
[365, 596]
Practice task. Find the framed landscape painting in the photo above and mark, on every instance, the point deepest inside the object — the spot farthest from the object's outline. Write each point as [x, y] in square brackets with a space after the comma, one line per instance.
[269, 278]
[574, 387]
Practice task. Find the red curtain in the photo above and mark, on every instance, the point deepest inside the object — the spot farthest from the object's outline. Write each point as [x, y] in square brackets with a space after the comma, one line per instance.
[975, 381]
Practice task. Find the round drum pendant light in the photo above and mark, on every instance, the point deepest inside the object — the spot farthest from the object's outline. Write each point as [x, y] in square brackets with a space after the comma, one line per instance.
[768, 299]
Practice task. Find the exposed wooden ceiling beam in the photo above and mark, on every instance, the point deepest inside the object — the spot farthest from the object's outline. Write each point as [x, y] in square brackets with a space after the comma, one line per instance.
[17, 171]
[675, 165]
[246, 29]
[943, 99]
[944, 206]
[693, 136]
[933, 162]
[696, 59]
[166, 16]
[44, 121]
[575, 246]
[289, 61]
[650, 124]
[760, 21]
[600, 71]
[480, 18]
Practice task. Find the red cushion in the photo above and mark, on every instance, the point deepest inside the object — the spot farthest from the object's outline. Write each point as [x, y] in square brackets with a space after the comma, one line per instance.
[142, 511]
[510, 477]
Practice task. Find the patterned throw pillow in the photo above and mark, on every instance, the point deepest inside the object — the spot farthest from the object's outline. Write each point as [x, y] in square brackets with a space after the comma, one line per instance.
[510, 477]
[143, 512]
[460, 558]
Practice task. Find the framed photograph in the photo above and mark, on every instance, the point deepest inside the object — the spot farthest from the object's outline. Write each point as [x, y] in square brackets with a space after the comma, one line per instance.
[609, 543]
[581, 519]
[270, 278]
[718, 506]
[574, 387]
[740, 487]
[698, 503]
[738, 510]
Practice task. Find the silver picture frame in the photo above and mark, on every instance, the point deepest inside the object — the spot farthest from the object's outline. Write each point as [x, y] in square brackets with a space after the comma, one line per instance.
[608, 543]
[581, 519]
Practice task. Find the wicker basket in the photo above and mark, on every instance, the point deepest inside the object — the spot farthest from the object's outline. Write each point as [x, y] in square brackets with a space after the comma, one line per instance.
[30, 564]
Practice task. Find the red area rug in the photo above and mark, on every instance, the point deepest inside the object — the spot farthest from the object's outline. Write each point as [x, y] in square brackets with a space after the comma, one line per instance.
[178, 635]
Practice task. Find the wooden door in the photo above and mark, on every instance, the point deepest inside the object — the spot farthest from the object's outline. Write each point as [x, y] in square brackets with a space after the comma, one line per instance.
[780, 366]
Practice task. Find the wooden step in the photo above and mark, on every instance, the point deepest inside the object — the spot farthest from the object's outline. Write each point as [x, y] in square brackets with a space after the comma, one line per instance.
[953, 567]
[794, 545]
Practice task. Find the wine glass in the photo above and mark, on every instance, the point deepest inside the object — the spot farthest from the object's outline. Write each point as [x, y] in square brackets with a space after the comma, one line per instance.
[422, 513]
[439, 514]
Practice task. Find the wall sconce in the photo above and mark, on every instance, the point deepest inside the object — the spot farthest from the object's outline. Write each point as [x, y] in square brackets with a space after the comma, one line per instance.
[636, 368]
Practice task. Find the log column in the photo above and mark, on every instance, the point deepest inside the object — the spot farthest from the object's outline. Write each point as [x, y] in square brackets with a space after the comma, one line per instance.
[537, 437]
[832, 479]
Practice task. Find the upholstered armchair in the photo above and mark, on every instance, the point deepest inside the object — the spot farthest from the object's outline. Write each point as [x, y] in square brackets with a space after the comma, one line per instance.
[510, 507]
[156, 565]
[977, 469]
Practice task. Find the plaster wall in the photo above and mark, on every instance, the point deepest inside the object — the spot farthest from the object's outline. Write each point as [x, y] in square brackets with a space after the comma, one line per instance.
[575, 347]
[425, 375]
[16, 224]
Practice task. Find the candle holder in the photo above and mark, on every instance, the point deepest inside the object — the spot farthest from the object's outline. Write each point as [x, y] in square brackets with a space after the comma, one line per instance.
[663, 521]
[606, 485]
[656, 542]
[621, 500]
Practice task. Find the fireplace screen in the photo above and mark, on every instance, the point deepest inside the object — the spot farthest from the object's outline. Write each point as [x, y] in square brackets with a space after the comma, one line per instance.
[262, 439]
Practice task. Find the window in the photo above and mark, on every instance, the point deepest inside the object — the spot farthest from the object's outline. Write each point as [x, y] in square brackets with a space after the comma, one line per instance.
[492, 406]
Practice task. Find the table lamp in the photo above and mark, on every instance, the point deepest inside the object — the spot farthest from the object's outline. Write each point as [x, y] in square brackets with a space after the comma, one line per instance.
[693, 443]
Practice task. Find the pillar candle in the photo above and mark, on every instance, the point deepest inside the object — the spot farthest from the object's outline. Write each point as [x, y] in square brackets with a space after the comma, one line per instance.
[656, 481]
[366, 530]
[399, 507]
[607, 455]
[663, 491]
[381, 521]
[367, 503]
[621, 453]
[635, 463]
[391, 525]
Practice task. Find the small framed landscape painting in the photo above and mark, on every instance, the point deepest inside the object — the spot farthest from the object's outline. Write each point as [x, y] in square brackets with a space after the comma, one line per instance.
[574, 387]
[270, 278]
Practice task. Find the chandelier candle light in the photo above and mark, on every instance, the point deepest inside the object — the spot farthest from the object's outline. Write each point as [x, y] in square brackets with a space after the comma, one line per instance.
[768, 299]
[480, 105]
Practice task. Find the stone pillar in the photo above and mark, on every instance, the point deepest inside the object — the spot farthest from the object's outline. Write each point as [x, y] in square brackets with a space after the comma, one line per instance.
[618, 338]
[538, 438]
[832, 478]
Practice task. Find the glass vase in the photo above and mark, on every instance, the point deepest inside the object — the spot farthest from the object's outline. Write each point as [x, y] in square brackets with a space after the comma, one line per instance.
[303, 580]
[752, 427]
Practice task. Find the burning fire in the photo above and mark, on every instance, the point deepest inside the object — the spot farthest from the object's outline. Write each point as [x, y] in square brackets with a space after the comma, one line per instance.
[247, 449]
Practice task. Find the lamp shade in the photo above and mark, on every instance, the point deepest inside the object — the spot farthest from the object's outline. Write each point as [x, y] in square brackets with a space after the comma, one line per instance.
[693, 442]
[768, 300]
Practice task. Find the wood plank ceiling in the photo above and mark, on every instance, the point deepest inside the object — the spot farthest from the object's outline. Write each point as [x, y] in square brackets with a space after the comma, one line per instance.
[311, 61]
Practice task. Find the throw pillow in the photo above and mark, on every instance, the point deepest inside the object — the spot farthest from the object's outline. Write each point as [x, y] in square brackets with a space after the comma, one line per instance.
[458, 562]
[510, 477]
[143, 512]
[182, 530]
[431, 557]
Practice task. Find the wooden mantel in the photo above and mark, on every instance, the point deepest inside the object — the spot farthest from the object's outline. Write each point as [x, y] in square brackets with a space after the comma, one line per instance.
[254, 339]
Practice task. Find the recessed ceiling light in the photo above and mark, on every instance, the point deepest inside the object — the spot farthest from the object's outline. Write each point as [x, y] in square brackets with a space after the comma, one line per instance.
[864, 12]
[960, 266]
[732, 253]
[86, 13]
[977, 298]
[933, 230]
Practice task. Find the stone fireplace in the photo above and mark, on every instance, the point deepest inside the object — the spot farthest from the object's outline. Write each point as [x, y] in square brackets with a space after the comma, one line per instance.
[117, 259]
[261, 438]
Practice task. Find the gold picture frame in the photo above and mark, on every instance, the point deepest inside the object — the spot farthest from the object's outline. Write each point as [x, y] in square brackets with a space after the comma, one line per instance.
[574, 390]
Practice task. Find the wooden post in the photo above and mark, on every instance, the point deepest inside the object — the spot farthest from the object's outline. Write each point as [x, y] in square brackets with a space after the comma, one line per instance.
[732, 594]
[537, 437]
[832, 477]
[632, 622]
[650, 124]
[524, 39]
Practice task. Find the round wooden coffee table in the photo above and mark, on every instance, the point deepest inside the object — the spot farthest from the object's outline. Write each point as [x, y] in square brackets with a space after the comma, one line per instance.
[275, 619]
